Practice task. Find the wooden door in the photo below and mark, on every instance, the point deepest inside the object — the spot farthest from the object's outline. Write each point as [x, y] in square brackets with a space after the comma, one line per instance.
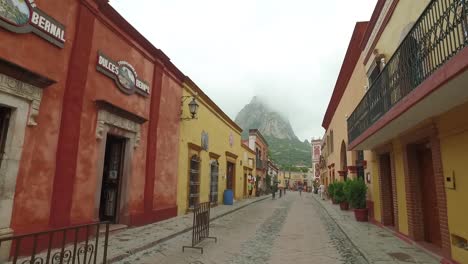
[429, 196]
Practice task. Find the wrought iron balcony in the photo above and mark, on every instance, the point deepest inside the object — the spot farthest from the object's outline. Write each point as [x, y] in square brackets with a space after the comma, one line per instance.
[439, 34]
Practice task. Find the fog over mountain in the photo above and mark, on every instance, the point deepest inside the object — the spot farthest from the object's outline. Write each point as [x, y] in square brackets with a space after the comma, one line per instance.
[285, 147]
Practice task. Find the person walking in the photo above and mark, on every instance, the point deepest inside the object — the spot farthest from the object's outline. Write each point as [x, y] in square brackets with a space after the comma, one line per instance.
[322, 190]
[300, 190]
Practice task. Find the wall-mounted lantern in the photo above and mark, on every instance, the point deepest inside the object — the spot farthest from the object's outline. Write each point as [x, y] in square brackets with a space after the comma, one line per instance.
[193, 107]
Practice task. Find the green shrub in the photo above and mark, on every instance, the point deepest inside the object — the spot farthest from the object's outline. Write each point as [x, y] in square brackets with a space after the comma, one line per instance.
[346, 190]
[357, 193]
[339, 192]
[331, 190]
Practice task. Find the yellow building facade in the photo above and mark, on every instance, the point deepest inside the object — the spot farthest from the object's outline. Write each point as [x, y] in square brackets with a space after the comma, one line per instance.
[211, 156]
[403, 112]
[340, 162]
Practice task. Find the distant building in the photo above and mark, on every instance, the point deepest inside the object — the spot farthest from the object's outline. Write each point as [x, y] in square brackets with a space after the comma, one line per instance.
[316, 151]
[259, 144]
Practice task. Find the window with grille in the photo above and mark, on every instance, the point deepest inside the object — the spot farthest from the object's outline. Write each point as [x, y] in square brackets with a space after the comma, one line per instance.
[214, 172]
[194, 182]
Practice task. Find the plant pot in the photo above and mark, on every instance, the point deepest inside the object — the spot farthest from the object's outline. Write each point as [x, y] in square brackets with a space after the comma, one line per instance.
[334, 202]
[361, 214]
[344, 206]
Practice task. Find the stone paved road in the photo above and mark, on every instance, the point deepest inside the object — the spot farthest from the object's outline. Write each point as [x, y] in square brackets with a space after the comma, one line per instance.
[293, 229]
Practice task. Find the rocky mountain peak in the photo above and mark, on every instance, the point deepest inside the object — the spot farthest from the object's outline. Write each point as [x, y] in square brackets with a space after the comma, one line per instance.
[258, 115]
[285, 148]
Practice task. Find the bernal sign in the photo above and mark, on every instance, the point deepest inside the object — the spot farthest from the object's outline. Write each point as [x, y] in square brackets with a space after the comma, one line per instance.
[123, 74]
[23, 16]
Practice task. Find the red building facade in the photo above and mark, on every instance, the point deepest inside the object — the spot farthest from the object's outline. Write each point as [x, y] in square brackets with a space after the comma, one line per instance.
[90, 114]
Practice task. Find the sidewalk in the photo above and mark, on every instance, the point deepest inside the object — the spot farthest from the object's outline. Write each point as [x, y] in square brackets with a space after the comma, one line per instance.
[130, 241]
[377, 244]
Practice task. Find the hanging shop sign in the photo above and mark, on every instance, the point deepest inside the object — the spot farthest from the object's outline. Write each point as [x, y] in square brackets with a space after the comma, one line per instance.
[23, 16]
[123, 74]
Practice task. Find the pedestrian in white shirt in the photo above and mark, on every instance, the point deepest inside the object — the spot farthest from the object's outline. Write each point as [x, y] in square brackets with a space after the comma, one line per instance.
[322, 191]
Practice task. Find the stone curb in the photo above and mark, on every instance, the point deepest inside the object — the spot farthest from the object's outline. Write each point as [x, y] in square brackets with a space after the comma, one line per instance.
[339, 226]
[164, 239]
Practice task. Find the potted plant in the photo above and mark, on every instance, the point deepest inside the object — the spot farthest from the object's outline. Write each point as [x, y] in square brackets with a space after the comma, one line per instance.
[340, 196]
[331, 192]
[346, 194]
[357, 198]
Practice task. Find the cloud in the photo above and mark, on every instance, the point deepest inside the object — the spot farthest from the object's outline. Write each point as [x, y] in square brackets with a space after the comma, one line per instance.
[287, 52]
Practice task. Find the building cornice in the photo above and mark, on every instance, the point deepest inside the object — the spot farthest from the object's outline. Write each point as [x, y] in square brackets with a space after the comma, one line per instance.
[384, 13]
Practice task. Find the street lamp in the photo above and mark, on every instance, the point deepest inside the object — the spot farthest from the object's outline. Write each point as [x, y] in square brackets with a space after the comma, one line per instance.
[193, 107]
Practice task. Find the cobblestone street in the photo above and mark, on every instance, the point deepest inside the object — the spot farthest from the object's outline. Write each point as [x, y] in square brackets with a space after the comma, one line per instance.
[293, 229]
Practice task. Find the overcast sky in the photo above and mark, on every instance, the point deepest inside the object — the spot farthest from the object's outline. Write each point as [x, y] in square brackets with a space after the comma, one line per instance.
[288, 52]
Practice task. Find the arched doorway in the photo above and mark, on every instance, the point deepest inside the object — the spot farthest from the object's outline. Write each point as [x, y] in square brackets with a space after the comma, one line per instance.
[343, 161]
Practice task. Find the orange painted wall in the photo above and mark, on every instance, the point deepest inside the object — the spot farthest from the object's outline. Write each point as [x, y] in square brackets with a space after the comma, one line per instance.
[35, 179]
[37, 165]
[165, 184]
[100, 87]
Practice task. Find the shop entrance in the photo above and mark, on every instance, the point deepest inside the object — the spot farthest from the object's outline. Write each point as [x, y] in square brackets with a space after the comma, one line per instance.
[112, 178]
[428, 195]
[388, 216]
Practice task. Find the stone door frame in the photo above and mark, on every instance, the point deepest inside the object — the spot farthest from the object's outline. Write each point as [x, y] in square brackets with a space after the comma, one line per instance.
[118, 122]
[24, 101]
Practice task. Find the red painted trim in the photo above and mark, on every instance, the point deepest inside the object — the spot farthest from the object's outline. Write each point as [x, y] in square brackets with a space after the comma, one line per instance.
[381, 30]
[404, 237]
[352, 169]
[370, 27]
[449, 261]
[450, 70]
[67, 150]
[349, 63]
[152, 138]
[342, 173]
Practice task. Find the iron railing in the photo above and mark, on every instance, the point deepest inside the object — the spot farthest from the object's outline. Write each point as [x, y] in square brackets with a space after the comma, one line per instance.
[77, 244]
[201, 225]
[438, 35]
